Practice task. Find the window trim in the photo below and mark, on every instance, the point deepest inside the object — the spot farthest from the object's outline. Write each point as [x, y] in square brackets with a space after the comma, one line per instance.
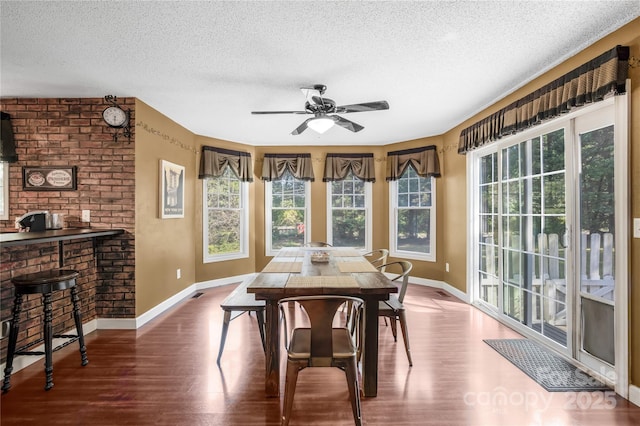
[368, 198]
[268, 198]
[4, 213]
[393, 224]
[244, 226]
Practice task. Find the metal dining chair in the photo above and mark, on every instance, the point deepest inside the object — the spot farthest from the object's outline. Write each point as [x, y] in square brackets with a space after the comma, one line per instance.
[377, 257]
[394, 308]
[323, 345]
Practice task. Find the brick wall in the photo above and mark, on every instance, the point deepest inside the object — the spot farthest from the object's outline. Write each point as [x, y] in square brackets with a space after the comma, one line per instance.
[71, 132]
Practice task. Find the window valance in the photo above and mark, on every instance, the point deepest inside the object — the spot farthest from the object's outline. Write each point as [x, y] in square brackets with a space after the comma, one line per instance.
[337, 167]
[215, 160]
[590, 82]
[299, 165]
[424, 161]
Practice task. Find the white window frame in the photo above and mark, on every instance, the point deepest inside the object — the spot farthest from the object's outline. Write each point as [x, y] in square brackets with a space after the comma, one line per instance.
[244, 226]
[268, 199]
[393, 225]
[368, 191]
[4, 208]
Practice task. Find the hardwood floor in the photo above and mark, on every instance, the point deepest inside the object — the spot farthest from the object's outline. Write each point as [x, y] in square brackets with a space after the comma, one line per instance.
[165, 374]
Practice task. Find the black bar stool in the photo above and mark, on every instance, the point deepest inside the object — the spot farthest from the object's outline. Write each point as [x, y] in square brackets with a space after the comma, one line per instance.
[45, 283]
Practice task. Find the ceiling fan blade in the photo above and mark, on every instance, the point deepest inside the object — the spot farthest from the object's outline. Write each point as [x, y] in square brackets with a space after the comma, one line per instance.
[367, 106]
[279, 112]
[349, 125]
[301, 128]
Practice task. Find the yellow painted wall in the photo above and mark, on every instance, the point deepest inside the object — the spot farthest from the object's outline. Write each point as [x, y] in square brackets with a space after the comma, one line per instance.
[162, 245]
[455, 215]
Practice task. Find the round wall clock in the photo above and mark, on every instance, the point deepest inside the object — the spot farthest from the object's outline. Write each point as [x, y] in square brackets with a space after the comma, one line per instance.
[115, 116]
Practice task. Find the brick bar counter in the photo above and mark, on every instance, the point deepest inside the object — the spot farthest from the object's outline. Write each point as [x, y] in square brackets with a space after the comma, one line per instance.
[101, 256]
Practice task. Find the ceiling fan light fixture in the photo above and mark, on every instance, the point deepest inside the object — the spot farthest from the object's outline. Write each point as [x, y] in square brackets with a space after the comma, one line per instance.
[321, 124]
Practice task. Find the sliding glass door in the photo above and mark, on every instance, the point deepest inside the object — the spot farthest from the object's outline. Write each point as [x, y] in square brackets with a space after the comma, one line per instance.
[548, 250]
[522, 224]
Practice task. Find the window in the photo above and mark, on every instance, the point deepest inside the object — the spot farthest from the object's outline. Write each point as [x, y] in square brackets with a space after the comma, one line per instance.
[287, 212]
[349, 212]
[225, 217]
[412, 204]
[4, 191]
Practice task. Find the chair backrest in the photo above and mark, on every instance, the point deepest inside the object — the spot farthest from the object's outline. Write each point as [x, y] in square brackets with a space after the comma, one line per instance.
[321, 311]
[317, 244]
[378, 257]
[402, 279]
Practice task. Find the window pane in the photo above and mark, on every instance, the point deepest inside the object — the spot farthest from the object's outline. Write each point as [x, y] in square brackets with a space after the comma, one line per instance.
[285, 229]
[535, 156]
[224, 231]
[553, 151]
[414, 185]
[413, 230]
[4, 168]
[554, 194]
[349, 228]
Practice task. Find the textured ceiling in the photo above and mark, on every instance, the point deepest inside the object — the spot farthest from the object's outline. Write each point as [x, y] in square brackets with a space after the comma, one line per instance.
[207, 65]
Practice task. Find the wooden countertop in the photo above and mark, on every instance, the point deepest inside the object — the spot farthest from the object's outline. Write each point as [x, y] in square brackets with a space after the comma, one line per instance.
[25, 238]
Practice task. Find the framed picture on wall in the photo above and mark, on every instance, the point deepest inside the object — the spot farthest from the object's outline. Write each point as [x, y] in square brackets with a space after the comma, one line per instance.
[171, 190]
[57, 178]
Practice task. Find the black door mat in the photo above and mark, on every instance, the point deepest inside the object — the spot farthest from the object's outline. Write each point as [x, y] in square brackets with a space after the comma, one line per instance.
[549, 370]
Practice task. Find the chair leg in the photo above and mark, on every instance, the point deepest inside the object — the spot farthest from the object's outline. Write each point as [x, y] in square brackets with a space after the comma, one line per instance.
[394, 328]
[260, 316]
[223, 336]
[289, 390]
[77, 317]
[48, 340]
[283, 317]
[13, 338]
[405, 335]
[351, 370]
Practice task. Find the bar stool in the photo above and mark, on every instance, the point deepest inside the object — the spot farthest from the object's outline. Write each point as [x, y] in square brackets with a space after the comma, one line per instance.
[45, 283]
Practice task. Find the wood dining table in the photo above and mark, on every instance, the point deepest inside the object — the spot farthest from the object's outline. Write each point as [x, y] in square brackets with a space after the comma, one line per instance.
[301, 272]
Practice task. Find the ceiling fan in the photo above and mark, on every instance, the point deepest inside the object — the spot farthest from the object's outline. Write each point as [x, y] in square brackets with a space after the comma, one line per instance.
[324, 110]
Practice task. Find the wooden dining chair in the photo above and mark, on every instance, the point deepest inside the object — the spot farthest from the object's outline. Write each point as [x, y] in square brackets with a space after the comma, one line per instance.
[394, 308]
[324, 345]
[317, 244]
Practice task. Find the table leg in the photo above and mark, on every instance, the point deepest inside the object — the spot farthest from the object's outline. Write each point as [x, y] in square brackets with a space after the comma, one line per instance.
[370, 353]
[272, 353]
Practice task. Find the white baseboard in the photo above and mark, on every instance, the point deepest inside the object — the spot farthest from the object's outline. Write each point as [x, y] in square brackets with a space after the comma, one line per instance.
[441, 285]
[224, 281]
[634, 394]
[135, 323]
